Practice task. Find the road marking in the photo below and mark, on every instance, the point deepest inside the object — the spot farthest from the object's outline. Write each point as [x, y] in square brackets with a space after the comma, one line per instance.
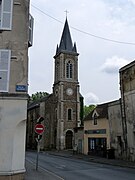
[61, 166]
[43, 169]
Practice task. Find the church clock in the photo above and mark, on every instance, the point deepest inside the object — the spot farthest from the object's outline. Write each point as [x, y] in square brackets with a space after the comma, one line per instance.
[66, 91]
[69, 91]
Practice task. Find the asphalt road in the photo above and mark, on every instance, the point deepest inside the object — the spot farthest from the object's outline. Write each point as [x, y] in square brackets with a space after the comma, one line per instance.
[77, 169]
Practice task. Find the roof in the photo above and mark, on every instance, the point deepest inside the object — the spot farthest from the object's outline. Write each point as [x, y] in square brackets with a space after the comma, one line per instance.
[36, 104]
[102, 111]
[33, 105]
[66, 44]
[80, 95]
[127, 66]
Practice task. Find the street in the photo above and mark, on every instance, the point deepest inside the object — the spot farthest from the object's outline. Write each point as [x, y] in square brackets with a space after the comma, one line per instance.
[71, 169]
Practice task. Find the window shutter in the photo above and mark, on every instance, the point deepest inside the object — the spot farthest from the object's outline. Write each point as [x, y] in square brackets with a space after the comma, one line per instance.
[5, 56]
[31, 24]
[6, 14]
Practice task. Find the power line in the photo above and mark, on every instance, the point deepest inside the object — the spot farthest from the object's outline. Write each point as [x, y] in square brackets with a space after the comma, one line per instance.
[46, 14]
[84, 32]
[103, 38]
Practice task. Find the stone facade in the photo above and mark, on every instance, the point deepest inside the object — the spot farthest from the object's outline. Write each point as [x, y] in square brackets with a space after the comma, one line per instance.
[79, 139]
[61, 109]
[127, 87]
[32, 115]
[14, 43]
[116, 128]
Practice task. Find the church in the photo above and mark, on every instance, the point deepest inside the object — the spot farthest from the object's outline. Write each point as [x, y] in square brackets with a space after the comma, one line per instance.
[63, 109]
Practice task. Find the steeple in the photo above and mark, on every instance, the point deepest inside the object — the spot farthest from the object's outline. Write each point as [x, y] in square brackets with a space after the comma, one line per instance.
[66, 44]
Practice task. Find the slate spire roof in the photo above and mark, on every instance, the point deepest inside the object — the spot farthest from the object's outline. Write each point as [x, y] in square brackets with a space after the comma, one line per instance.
[66, 44]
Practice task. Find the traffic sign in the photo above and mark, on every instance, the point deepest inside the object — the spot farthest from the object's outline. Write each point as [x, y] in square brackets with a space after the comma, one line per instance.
[39, 128]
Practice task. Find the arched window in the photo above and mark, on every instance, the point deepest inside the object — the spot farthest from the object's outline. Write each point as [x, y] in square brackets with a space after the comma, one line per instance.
[69, 69]
[69, 114]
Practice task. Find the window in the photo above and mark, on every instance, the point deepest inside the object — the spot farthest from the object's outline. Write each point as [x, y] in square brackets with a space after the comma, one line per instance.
[5, 56]
[31, 23]
[119, 141]
[69, 114]
[69, 69]
[6, 7]
[95, 119]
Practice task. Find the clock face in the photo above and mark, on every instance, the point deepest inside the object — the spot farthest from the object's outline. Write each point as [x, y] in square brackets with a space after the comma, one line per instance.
[69, 91]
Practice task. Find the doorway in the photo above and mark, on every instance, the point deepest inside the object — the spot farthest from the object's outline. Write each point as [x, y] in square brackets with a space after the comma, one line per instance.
[69, 139]
[97, 146]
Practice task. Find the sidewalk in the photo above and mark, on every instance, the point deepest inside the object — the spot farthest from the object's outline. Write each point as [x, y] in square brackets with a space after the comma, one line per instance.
[32, 174]
[95, 159]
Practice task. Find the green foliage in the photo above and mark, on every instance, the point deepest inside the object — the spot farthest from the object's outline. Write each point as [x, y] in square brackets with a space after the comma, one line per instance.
[88, 109]
[37, 96]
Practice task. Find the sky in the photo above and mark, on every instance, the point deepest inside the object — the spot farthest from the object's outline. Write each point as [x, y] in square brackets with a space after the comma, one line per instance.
[104, 32]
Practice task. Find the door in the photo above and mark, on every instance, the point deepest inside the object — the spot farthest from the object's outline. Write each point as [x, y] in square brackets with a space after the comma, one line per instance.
[69, 138]
[80, 146]
[97, 146]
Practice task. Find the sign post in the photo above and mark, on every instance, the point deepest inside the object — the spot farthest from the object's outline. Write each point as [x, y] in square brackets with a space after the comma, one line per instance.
[38, 149]
[39, 129]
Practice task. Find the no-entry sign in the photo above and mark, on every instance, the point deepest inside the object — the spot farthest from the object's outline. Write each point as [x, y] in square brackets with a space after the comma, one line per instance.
[39, 128]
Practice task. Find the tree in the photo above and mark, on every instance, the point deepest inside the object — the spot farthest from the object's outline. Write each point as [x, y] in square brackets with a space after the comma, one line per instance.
[88, 109]
[37, 96]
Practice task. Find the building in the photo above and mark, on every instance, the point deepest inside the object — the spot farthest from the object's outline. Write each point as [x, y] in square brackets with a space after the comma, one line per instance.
[103, 131]
[79, 139]
[97, 132]
[116, 128]
[36, 110]
[15, 38]
[119, 120]
[33, 112]
[62, 107]
[127, 88]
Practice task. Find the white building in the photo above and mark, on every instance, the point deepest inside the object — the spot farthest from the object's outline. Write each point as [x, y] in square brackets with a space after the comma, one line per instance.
[15, 38]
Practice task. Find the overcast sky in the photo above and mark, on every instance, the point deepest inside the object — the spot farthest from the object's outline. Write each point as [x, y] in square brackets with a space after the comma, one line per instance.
[99, 59]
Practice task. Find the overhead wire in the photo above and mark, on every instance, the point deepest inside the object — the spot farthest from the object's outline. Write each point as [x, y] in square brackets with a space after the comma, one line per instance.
[84, 32]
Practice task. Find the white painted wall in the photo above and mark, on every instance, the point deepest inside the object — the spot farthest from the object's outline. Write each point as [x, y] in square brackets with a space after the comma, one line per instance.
[13, 114]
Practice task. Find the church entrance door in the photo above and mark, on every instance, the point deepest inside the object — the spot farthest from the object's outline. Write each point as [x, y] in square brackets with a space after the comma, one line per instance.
[69, 138]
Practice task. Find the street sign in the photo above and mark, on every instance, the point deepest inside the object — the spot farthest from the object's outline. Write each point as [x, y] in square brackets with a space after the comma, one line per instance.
[39, 128]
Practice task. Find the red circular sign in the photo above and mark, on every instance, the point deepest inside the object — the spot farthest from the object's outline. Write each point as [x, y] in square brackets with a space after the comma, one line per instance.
[39, 128]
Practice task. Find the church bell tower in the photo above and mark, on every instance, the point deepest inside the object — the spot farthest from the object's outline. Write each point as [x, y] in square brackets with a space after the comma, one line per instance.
[66, 90]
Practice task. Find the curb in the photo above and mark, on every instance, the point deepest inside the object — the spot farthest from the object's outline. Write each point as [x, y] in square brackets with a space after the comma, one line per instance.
[94, 160]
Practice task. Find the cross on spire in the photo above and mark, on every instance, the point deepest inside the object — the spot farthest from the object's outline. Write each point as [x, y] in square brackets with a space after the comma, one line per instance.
[66, 13]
